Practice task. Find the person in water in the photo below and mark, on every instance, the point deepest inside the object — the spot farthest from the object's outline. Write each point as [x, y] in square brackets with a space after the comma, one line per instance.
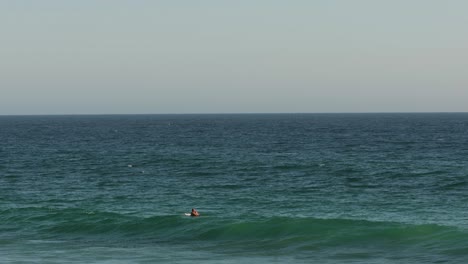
[194, 213]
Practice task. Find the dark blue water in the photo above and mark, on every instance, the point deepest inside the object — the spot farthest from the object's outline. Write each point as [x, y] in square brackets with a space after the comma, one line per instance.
[282, 188]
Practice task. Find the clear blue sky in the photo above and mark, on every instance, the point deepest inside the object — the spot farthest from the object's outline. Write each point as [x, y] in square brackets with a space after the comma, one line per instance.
[216, 56]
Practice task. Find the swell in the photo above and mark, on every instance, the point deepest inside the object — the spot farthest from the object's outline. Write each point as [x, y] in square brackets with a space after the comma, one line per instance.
[253, 232]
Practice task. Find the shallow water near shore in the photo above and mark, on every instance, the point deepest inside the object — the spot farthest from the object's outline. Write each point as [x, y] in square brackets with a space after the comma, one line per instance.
[273, 188]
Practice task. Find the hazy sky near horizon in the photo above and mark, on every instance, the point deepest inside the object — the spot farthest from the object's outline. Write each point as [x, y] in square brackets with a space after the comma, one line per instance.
[216, 56]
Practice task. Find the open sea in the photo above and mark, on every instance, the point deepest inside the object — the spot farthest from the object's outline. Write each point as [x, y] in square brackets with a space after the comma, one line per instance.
[270, 188]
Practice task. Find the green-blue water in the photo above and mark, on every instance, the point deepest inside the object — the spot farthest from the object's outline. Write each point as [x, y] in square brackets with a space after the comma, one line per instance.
[292, 188]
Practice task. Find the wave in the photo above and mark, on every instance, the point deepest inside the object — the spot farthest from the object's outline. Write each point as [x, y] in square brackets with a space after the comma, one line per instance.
[253, 232]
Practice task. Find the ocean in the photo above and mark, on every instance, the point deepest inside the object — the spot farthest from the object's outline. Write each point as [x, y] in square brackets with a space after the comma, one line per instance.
[270, 188]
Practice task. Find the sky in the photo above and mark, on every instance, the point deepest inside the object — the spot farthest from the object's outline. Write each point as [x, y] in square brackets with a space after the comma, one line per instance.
[242, 56]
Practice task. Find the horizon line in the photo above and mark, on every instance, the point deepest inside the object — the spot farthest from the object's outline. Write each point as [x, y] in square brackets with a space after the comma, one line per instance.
[241, 113]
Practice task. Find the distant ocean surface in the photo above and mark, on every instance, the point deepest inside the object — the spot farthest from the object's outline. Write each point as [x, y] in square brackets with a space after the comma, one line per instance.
[272, 188]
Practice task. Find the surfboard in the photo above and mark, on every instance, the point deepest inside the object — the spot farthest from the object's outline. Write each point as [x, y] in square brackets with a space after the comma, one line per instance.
[187, 214]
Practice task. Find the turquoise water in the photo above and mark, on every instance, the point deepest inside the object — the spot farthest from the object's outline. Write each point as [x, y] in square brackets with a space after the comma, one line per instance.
[283, 188]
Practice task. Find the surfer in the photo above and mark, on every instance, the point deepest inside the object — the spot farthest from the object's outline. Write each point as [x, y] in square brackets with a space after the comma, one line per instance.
[194, 213]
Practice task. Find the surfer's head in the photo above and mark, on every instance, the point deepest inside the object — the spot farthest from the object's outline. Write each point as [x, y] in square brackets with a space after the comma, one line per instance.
[194, 212]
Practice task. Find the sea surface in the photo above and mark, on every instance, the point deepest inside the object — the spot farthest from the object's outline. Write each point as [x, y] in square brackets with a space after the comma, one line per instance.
[270, 188]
